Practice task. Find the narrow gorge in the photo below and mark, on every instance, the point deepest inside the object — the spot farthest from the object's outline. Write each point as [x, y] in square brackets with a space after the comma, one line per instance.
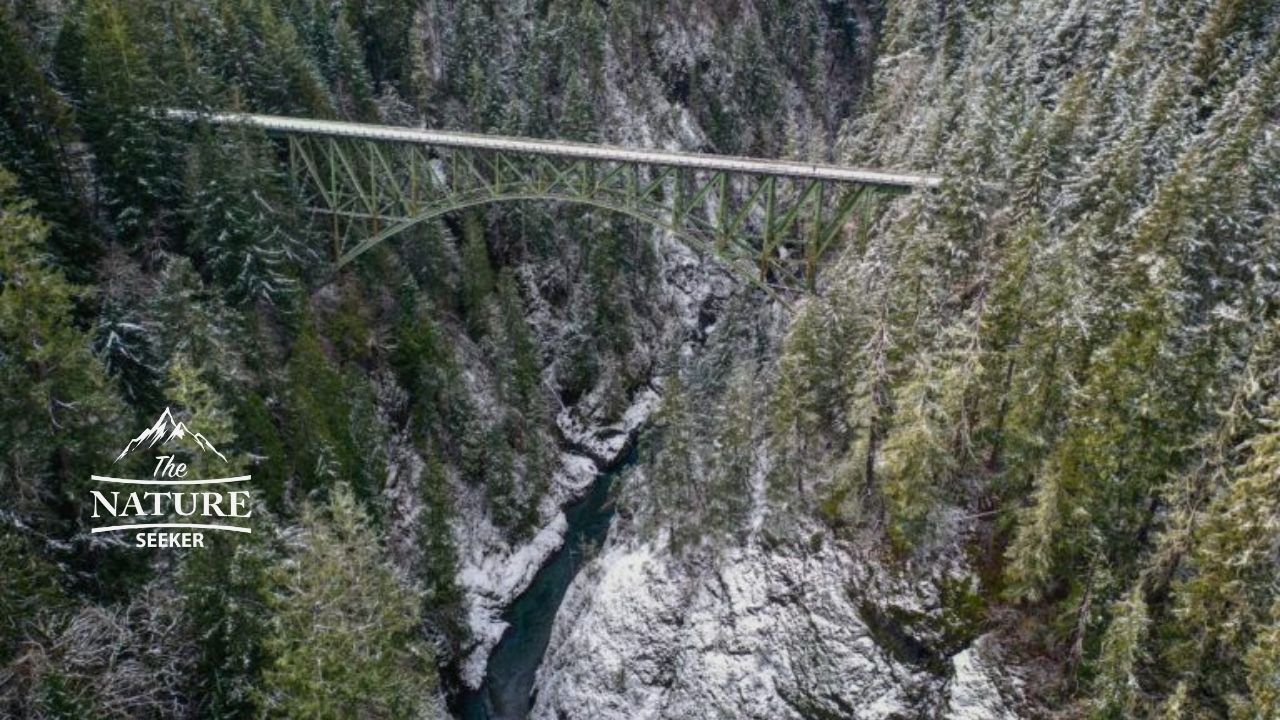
[620, 360]
[511, 670]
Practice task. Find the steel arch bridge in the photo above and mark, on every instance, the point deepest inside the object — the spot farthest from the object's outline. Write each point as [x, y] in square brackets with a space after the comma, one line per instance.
[771, 220]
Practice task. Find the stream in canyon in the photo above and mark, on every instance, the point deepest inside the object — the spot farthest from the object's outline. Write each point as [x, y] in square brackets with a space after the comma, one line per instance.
[505, 693]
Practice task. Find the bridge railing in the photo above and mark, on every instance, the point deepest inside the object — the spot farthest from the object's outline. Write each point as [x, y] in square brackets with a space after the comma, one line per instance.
[772, 220]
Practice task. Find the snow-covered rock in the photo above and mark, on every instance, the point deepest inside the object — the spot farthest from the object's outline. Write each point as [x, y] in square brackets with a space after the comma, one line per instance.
[493, 572]
[492, 581]
[755, 634]
[974, 691]
[608, 441]
[764, 631]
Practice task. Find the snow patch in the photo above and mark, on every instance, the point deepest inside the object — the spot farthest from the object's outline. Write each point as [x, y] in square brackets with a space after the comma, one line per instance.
[608, 441]
[972, 692]
[491, 582]
[753, 634]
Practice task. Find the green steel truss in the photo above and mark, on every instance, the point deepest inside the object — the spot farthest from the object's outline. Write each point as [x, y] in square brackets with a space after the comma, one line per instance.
[771, 229]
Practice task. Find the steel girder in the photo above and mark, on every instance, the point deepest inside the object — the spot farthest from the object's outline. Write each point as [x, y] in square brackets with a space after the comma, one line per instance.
[771, 229]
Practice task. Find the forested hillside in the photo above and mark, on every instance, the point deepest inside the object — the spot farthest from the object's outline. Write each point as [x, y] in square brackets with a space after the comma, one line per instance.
[1075, 341]
[397, 420]
[1088, 345]
[1018, 457]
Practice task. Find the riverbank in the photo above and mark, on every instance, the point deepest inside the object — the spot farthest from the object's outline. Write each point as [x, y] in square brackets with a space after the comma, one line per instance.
[505, 693]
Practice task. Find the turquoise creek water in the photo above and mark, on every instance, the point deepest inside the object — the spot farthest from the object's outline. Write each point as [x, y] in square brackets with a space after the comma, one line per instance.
[505, 693]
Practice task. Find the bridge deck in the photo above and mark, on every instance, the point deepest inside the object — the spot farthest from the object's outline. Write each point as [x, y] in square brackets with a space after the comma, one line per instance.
[585, 151]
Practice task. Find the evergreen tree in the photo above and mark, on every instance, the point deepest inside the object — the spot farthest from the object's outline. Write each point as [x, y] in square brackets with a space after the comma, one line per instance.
[226, 610]
[33, 590]
[676, 488]
[113, 86]
[55, 401]
[343, 635]
[610, 269]
[1263, 663]
[332, 425]
[500, 481]
[444, 600]
[366, 467]
[352, 85]
[240, 217]
[734, 458]
[756, 92]
[917, 459]
[198, 405]
[385, 28]
[1118, 691]
[803, 406]
[35, 132]
[183, 317]
[124, 341]
[515, 355]
[260, 439]
[477, 275]
[256, 49]
[439, 405]
[577, 114]
[1228, 599]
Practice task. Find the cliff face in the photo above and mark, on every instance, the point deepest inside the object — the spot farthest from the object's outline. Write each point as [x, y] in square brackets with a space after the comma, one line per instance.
[774, 628]
[755, 633]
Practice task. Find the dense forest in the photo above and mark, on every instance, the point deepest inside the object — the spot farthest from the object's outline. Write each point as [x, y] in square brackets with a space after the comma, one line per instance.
[1048, 391]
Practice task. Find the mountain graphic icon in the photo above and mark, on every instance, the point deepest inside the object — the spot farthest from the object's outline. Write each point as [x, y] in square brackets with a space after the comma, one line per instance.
[163, 431]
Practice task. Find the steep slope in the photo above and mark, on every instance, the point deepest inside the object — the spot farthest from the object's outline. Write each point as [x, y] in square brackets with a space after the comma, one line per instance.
[1015, 395]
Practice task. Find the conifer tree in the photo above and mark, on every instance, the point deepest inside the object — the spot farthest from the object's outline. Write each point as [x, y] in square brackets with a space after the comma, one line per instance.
[343, 636]
[427, 369]
[444, 601]
[136, 159]
[352, 85]
[55, 400]
[577, 116]
[755, 91]
[1228, 599]
[516, 355]
[917, 459]
[317, 415]
[258, 436]
[182, 316]
[1117, 688]
[1263, 663]
[801, 409]
[734, 458]
[477, 275]
[33, 590]
[385, 28]
[340, 440]
[606, 287]
[678, 494]
[35, 132]
[197, 404]
[125, 341]
[240, 216]
[500, 480]
[226, 610]
[264, 54]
